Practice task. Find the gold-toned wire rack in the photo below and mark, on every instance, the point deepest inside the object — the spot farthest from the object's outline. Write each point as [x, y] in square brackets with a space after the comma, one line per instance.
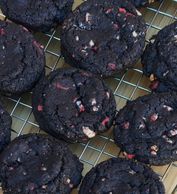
[127, 86]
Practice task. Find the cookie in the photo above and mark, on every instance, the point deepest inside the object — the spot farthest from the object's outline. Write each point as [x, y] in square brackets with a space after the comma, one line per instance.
[38, 15]
[140, 3]
[146, 128]
[159, 59]
[73, 104]
[103, 37]
[5, 127]
[22, 59]
[39, 164]
[121, 176]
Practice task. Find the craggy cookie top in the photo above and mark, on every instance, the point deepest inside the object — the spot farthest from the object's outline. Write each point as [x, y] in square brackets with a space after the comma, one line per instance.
[121, 176]
[159, 59]
[22, 59]
[146, 128]
[73, 104]
[38, 15]
[39, 164]
[5, 127]
[103, 37]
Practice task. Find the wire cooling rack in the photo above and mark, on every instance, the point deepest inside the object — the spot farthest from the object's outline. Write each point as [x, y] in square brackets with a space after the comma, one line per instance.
[126, 87]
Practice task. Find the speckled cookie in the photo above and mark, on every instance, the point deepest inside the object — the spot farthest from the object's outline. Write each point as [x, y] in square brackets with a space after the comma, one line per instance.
[140, 3]
[146, 128]
[74, 105]
[22, 59]
[39, 164]
[103, 37]
[5, 127]
[159, 59]
[38, 15]
[121, 176]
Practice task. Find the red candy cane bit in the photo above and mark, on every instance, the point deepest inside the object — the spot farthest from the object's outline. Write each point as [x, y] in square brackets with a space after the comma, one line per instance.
[38, 46]
[2, 31]
[154, 85]
[105, 121]
[81, 108]
[122, 10]
[129, 156]
[59, 86]
[40, 108]
[112, 66]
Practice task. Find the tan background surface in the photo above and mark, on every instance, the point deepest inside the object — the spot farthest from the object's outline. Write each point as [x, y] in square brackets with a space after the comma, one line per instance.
[127, 86]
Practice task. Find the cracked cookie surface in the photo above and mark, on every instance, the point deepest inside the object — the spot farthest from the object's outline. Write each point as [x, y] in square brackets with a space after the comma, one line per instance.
[146, 128]
[159, 59]
[73, 104]
[5, 127]
[38, 15]
[123, 176]
[39, 164]
[103, 37]
[22, 59]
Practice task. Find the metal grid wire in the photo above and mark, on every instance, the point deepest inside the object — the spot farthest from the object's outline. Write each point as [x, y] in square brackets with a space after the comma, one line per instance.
[126, 87]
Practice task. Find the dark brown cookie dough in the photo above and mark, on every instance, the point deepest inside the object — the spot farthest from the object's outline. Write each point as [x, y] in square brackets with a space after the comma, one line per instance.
[160, 59]
[22, 59]
[5, 127]
[73, 104]
[38, 15]
[39, 164]
[121, 176]
[146, 128]
[103, 37]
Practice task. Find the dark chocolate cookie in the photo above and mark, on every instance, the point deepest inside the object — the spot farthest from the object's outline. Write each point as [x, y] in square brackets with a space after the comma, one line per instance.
[5, 128]
[140, 3]
[159, 59]
[22, 59]
[146, 128]
[38, 15]
[104, 37]
[39, 164]
[121, 176]
[73, 105]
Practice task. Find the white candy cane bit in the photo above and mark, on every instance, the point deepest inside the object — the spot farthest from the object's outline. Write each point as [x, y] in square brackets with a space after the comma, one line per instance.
[91, 43]
[77, 38]
[88, 132]
[138, 13]
[135, 34]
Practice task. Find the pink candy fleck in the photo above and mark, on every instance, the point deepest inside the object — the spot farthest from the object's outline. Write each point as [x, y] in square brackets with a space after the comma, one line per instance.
[2, 31]
[122, 10]
[129, 156]
[59, 86]
[153, 117]
[40, 108]
[112, 66]
[126, 125]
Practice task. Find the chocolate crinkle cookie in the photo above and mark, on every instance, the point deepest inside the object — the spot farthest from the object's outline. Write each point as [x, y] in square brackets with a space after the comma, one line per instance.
[160, 59]
[73, 104]
[146, 128]
[22, 59]
[121, 176]
[103, 37]
[38, 15]
[141, 3]
[39, 164]
[5, 127]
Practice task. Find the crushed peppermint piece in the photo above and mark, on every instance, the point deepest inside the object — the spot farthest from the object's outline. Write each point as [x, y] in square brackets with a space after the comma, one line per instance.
[135, 34]
[88, 132]
[91, 43]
